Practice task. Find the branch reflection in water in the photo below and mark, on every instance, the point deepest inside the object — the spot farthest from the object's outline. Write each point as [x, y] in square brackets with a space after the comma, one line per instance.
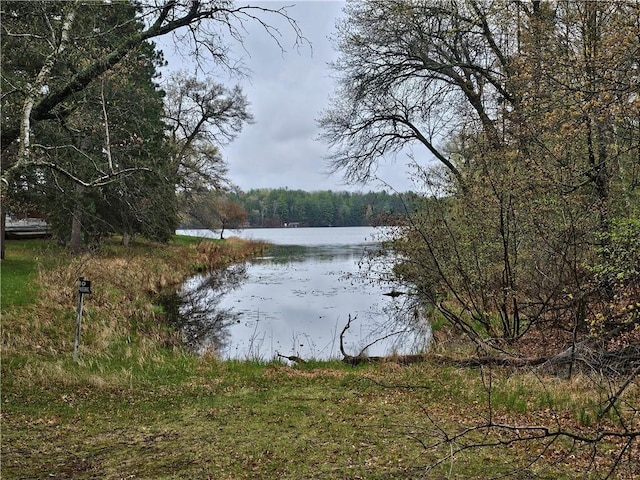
[195, 310]
[297, 298]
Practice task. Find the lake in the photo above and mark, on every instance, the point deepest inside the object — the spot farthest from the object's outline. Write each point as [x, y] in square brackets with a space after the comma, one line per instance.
[297, 298]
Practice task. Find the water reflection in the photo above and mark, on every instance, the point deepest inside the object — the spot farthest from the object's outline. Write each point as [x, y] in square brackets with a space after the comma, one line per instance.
[195, 309]
[286, 254]
[296, 299]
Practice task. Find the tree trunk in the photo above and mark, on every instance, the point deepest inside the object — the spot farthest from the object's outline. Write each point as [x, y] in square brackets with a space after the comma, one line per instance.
[76, 221]
[3, 226]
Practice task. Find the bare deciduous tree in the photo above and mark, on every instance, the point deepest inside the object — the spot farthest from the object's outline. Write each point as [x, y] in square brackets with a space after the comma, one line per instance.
[69, 55]
[202, 117]
[530, 111]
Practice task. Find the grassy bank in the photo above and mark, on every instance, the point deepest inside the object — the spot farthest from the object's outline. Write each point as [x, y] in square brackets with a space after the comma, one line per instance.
[39, 293]
[137, 405]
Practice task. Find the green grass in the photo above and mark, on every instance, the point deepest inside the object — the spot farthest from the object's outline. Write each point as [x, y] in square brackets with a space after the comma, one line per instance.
[189, 240]
[18, 279]
[206, 419]
[176, 416]
[19, 284]
[131, 408]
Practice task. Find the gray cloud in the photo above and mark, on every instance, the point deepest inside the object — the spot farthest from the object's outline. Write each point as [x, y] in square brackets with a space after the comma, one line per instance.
[288, 91]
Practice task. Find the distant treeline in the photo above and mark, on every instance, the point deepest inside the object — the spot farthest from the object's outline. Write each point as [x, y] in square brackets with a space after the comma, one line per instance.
[284, 207]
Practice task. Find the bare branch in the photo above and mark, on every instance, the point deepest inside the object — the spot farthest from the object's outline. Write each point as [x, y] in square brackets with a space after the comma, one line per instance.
[96, 182]
[172, 16]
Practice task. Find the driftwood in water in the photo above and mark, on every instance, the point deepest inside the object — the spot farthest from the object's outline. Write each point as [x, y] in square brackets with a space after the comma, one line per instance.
[363, 358]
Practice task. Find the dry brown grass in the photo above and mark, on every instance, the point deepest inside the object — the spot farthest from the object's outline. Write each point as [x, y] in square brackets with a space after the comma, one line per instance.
[216, 254]
[126, 284]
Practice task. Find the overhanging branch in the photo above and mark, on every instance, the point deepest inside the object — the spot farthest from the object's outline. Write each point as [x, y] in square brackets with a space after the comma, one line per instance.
[96, 182]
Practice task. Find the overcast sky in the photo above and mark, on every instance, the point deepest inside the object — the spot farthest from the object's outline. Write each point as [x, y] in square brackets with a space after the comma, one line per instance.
[288, 92]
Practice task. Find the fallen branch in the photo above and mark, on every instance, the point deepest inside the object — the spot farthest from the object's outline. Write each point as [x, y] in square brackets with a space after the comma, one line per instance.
[588, 353]
[490, 361]
[362, 357]
[292, 358]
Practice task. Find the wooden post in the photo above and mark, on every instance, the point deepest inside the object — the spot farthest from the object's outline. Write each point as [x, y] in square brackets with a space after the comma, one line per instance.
[76, 343]
[84, 286]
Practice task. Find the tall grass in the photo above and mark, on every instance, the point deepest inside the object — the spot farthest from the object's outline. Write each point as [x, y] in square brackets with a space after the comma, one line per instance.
[120, 315]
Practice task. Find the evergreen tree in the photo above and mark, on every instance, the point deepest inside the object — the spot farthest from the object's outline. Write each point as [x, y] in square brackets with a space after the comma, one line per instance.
[112, 129]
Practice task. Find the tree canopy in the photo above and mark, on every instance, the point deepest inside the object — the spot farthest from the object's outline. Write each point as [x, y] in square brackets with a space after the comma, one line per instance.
[85, 122]
[530, 113]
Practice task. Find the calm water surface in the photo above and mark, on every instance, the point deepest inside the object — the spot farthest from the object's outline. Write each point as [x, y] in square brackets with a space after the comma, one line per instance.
[296, 299]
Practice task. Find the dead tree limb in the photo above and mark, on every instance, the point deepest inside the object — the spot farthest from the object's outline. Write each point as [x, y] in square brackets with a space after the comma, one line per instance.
[292, 358]
[486, 361]
[616, 396]
[362, 357]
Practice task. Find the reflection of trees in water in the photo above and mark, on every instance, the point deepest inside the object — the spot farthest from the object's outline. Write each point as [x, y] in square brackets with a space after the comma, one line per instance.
[397, 325]
[194, 309]
[287, 254]
[400, 322]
